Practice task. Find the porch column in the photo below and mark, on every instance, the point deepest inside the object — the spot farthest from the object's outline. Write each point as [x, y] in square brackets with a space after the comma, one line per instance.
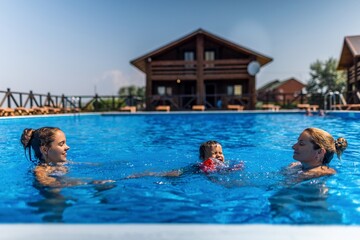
[357, 81]
[148, 88]
[200, 88]
[252, 91]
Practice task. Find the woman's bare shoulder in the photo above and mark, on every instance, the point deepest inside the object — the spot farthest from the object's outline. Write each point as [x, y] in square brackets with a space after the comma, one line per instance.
[318, 172]
[294, 164]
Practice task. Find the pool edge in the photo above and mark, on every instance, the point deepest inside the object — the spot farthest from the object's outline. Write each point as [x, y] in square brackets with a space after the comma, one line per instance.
[177, 231]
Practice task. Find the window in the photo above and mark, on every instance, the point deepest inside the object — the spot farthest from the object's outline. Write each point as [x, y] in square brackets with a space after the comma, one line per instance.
[162, 90]
[234, 90]
[238, 90]
[169, 91]
[230, 90]
[209, 56]
[189, 56]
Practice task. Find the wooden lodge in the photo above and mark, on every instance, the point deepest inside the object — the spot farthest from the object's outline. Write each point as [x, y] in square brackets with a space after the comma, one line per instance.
[350, 62]
[284, 92]
[200, 69]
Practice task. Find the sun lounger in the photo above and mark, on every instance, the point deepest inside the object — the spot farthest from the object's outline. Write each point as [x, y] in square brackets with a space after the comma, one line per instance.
[128, 109]
[235, 107]
[303, 106]
[347, 106]
[21, 111]
[40, 110]
[198, 107]
[307, 106]
[314, 107]
[7, 112]
[165, 108]
[270, 107]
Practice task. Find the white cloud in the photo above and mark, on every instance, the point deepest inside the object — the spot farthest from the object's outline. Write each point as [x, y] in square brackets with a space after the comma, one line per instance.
[111, 81]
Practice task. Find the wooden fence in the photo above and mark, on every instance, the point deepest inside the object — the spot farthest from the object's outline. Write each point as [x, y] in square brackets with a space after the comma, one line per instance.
[90, 103]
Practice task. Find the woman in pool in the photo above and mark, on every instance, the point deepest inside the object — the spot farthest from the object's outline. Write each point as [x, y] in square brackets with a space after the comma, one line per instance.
[50, 151]
[213, 160]
[314, 150]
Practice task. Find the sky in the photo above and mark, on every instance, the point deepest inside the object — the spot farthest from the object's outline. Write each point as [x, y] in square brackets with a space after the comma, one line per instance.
[83, 47]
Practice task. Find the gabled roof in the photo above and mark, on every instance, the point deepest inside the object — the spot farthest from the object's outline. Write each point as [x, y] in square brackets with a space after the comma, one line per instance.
[140, 62]
[269, 86]
[276, 84]
[350, 50]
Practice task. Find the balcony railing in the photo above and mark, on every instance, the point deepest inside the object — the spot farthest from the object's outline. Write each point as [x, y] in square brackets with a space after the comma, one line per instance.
[163, 70]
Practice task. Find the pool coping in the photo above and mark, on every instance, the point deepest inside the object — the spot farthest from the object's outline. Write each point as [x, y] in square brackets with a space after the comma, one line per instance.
[343, 113]
[177, 231]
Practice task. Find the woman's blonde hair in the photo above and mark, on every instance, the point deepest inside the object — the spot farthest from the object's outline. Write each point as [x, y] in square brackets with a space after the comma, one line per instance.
[324, 140]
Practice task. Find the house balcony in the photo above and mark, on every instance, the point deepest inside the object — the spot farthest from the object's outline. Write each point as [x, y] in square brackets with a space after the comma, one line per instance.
[187, 70]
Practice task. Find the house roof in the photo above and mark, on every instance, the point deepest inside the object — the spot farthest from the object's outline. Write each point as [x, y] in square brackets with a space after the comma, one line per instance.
[269, 86]
[276, 84]
[350, 50]
[140, 61]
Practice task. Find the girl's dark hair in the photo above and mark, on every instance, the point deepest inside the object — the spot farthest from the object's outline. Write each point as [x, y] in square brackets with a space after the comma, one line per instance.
[323, 139]
[206, 145]
[34, 139]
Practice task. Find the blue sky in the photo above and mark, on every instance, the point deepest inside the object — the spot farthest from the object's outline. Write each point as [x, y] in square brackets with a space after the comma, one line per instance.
[77, 47]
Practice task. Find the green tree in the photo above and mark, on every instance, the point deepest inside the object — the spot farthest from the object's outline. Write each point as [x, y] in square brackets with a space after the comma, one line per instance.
[132, 90]
[131, 95]
[325, 77]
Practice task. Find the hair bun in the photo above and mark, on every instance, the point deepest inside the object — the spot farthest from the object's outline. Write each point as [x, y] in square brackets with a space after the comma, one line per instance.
[26, 137]
[341, 143]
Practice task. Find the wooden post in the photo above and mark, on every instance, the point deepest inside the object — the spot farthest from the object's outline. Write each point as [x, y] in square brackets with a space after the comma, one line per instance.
[148, 89]
[252, 91]
[8, 94]
[200, 86]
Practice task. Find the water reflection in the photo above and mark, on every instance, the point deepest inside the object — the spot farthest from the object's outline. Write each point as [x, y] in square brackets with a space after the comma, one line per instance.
[54, 201]
[304, 203]
[52, 205]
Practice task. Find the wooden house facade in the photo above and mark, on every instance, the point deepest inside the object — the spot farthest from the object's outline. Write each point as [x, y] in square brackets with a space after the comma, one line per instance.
[200, 69]
[282, 92]
[350, 62]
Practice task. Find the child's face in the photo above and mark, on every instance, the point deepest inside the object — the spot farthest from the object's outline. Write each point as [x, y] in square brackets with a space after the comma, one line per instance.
[215, 151]
[58, 149]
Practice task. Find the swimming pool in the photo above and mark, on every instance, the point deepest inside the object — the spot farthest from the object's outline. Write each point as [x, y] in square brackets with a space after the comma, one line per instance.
[115, 146]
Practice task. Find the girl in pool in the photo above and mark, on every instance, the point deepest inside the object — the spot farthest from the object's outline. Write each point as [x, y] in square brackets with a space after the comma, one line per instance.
[50, 151]
[314, 150]
[213, 160]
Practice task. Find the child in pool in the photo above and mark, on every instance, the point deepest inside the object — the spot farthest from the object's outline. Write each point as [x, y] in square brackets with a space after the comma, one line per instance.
[213, 160]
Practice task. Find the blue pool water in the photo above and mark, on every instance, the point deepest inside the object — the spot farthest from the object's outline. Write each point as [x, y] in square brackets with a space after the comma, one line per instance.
[116, 146]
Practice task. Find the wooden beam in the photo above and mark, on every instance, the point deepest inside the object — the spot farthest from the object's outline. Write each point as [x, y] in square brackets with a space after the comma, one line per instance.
[148, 89]
[200, 88]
